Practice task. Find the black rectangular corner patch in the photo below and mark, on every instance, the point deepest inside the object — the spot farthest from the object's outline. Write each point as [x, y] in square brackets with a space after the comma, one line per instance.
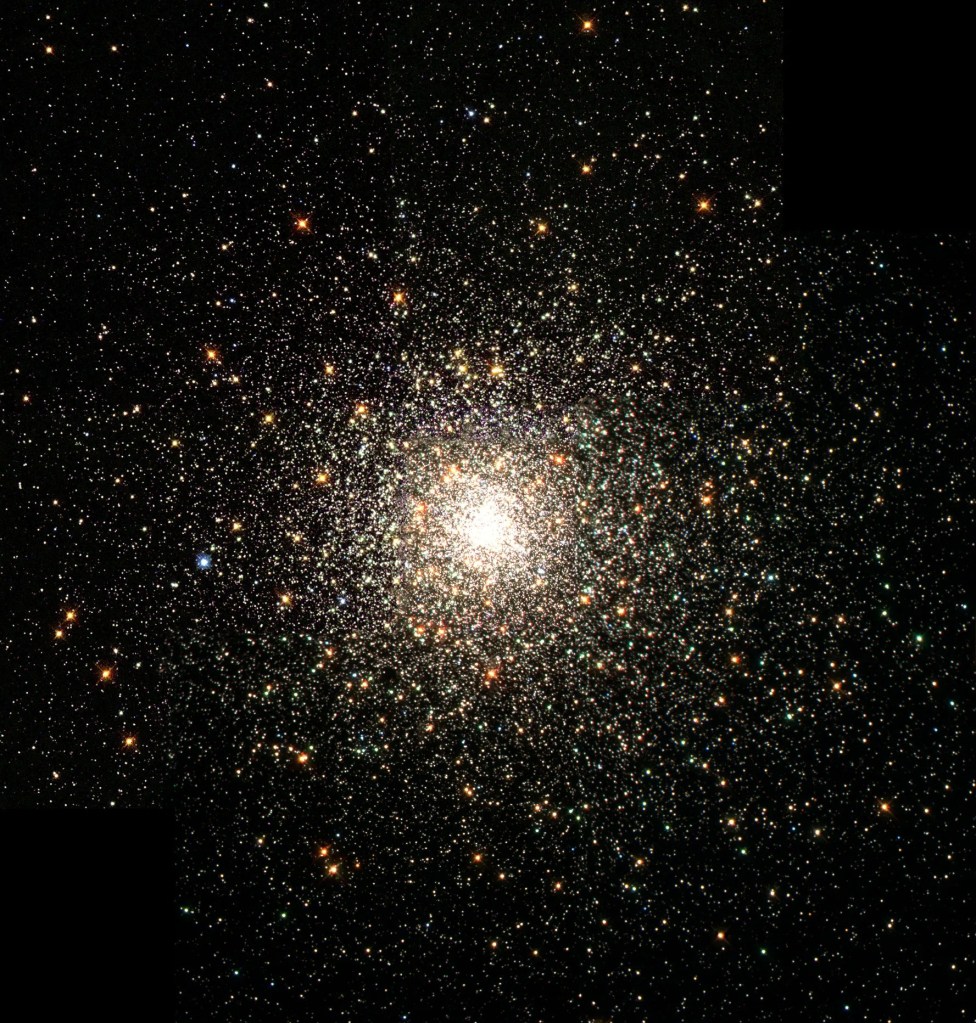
[89, 910]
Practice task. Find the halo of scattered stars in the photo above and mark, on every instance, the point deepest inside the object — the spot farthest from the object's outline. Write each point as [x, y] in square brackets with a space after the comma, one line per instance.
[535, 581]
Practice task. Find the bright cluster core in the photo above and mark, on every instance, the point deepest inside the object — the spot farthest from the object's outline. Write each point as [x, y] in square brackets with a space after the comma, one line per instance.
[487, 530]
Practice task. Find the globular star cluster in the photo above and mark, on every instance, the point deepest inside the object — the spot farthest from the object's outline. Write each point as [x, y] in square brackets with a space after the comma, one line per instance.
[486, 540]
[535, 582]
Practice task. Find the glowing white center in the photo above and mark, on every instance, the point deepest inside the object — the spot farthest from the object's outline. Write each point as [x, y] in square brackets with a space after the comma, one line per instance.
[488, 527]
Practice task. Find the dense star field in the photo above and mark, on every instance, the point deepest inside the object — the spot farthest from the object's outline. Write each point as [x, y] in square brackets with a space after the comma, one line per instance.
[535, 580]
